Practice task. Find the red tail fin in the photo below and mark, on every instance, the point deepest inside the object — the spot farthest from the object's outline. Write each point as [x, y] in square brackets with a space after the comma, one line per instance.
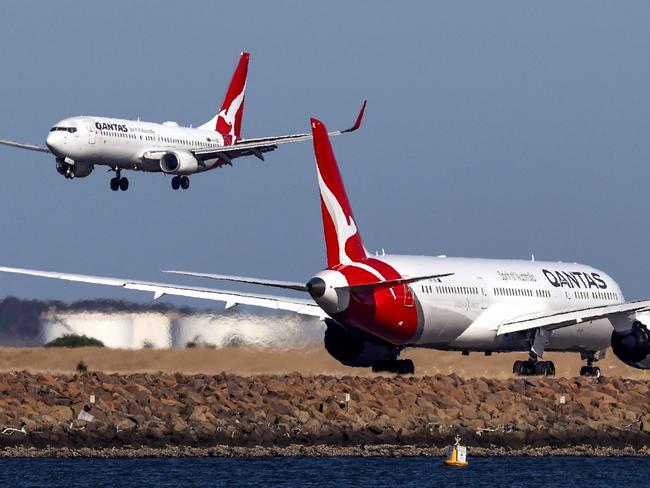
[228, 121]
[342, 238]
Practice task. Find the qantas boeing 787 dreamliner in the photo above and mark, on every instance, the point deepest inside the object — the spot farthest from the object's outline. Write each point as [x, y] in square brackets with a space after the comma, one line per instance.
[81, 143]
[375, 306]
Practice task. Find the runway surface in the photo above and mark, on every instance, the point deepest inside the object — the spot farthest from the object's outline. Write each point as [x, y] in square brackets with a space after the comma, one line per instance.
[308, 361]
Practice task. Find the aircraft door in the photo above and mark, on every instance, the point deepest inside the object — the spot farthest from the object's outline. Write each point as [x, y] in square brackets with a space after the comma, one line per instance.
[568, 297]
[408, 296]
[483, 293]
[91, 132]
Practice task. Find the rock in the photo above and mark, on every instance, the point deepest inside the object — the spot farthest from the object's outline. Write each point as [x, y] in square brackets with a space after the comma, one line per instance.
[125, 425]
[192, 410]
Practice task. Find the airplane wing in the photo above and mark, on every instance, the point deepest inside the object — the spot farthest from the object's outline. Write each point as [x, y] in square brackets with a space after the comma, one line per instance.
[31, 147]
[260, 145]
[558, 320]
[231, 298]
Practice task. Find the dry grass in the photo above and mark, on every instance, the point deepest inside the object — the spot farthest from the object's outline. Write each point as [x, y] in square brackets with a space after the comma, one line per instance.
[305, 361]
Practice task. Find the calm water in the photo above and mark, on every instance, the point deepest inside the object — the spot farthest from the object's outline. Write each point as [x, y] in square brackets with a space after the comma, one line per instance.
[326, 472]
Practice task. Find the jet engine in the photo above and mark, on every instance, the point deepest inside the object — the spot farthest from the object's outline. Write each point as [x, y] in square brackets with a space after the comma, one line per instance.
[353, 349]
[179, 163]
[76, 170]
[632, 346]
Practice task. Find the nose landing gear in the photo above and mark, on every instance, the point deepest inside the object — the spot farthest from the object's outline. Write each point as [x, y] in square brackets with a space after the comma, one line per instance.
[119, 182]
[180, 182]
[589, 370]
[64, 169]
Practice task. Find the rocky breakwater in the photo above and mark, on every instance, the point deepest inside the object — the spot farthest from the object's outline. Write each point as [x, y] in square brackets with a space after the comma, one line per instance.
[101, 411]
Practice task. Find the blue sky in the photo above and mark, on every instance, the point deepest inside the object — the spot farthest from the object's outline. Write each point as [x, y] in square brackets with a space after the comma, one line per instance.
[493, 129]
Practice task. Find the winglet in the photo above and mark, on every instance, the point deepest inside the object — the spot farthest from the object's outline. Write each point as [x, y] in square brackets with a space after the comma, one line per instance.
[357, 123]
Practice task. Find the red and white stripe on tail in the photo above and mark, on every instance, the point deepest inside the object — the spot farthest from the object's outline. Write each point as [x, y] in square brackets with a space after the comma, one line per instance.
[342, 238]
[228, 121]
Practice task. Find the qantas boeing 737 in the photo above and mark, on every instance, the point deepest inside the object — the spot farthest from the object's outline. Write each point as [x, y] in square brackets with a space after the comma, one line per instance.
[81, 143]
[376, 306]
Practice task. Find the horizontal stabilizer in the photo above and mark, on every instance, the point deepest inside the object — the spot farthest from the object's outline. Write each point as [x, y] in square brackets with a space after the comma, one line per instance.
[399, 281]
[287, 285]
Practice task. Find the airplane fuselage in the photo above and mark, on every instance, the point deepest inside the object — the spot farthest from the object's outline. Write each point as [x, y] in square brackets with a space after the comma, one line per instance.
[127, 144]
[465, 310]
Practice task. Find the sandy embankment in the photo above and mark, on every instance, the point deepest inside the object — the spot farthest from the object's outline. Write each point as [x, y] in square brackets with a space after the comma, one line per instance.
[310, 361]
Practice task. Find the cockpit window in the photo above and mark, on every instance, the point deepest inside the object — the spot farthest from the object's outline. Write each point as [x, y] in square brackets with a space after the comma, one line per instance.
[71, 130]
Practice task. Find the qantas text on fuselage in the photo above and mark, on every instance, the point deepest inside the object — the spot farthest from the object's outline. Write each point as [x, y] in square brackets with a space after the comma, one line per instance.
[81, 143]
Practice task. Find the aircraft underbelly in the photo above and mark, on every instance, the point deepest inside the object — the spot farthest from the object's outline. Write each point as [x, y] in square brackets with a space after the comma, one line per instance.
[122, 157]
[456, 328]
[444, 322]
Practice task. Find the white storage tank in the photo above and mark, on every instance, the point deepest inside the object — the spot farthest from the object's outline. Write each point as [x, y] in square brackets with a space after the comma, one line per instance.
[235, 329]
[120, 330]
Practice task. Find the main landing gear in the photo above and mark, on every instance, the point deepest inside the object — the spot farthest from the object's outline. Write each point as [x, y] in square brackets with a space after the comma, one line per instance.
[399, 366]
[590, 370]
[533, 367]
[119, 182]
[180, 182]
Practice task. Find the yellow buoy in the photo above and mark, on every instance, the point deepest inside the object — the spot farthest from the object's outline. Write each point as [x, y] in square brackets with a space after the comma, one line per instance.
[456, 455]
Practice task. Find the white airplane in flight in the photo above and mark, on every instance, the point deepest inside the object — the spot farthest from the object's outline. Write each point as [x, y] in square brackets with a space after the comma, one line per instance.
[376, 306]
[81, 143]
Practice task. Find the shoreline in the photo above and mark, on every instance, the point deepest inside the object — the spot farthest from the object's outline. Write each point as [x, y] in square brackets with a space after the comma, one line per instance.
[296, 450]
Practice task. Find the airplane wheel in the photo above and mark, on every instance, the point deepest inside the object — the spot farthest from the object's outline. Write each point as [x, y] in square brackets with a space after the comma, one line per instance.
[176, 182]
[400, 366]
[544, 368]
[550, 368]
[124, 184]
[115, 184]
[526, 368]
[590, 371]
[405, 366]
[381, 365]
[185, 182]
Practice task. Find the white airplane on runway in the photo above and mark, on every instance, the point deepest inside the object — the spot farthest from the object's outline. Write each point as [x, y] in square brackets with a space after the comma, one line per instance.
[81, 143]
[375, 306]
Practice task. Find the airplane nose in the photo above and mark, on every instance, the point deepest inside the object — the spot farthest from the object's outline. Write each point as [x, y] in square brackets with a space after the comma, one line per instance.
[53, 141]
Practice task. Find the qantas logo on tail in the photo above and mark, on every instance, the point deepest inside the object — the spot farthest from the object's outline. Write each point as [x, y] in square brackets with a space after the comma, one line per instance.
[229, 119]
[342, 238]
[344, 226]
